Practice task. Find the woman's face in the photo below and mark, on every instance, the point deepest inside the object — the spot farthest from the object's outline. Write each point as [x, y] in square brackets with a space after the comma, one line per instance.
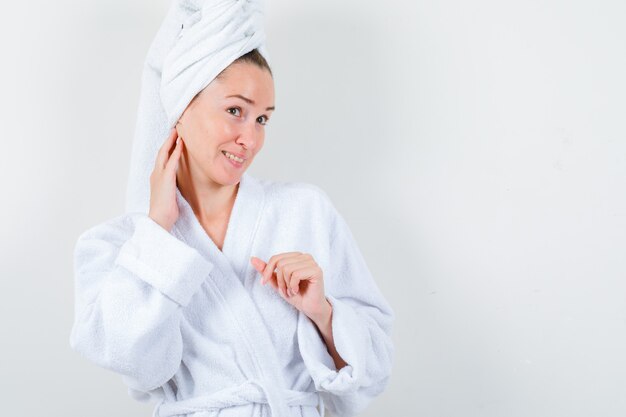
[229, 115]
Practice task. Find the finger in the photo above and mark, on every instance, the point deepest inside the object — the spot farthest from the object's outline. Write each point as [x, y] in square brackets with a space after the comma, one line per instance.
[298, 272]
[301, 274]
[288, 265]
[270, 267]
[259, 265]
[280, 280]
[285, 265]
[172, 163]
[303, 260]
[274, 282]
[287, 274]
[290, 278]
[164, 150]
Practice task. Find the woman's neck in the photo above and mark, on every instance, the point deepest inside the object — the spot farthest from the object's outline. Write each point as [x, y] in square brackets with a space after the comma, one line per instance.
[210, 201]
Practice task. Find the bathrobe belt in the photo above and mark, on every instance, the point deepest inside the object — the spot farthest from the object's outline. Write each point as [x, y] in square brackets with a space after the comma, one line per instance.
[251, 391]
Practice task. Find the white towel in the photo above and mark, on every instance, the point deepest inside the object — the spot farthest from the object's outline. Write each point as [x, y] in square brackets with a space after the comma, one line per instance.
[196, 41]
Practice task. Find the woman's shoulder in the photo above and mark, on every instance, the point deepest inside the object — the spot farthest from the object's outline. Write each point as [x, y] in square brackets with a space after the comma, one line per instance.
[115, 230]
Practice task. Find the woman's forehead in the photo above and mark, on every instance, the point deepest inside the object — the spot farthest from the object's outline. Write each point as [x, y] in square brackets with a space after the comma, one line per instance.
[250, 84]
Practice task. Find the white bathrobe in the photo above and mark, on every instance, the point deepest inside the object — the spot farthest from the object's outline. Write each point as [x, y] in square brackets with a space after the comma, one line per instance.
[191, 327]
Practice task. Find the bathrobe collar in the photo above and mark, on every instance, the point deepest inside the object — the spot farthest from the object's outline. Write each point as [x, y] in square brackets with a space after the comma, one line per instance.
[244, 218]
[230, 264]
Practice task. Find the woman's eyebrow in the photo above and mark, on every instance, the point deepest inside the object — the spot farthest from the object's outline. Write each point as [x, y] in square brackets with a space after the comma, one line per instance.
[247, 100]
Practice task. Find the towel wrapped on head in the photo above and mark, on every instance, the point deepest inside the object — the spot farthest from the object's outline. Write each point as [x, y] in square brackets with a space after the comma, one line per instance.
[197, 40]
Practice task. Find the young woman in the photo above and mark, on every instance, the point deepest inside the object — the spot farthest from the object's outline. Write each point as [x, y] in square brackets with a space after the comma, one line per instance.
[226, 294]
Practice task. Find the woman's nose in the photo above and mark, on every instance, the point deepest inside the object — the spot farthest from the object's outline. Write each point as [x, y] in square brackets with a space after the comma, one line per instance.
[250, 135]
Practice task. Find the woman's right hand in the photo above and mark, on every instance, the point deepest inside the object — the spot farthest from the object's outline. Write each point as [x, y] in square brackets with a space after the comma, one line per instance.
[163, 206]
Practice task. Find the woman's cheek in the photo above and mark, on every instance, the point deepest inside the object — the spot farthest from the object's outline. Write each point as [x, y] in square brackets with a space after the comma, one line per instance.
[229, 129]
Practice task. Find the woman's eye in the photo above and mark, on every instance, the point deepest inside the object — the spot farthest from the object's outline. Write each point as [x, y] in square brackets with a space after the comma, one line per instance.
[262, 119]
[236, 112]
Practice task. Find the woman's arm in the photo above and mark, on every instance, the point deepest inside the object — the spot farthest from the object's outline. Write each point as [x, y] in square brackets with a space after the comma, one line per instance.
[324, 326]
[132, 279]
[351, 362]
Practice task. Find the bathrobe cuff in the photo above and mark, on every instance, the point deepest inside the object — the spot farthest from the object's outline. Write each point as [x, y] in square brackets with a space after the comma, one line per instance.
[352, 340]
[164, 261]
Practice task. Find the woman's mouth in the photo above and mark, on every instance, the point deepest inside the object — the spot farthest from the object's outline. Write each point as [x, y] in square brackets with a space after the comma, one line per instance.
[234, 160]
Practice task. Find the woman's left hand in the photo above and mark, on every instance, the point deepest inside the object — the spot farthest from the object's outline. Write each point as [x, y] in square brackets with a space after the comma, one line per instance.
[298, 279]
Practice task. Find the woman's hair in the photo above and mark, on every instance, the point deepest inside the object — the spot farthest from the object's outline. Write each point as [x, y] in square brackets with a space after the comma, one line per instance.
[253, 57]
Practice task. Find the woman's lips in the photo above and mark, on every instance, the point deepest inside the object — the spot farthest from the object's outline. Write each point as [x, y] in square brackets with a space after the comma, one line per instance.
[233, 162]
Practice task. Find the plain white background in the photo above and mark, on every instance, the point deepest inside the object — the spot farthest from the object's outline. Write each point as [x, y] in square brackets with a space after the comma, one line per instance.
[476, 149]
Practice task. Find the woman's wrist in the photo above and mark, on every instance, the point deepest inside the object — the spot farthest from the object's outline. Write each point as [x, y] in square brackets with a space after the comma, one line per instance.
[325, 327]
[322, 317]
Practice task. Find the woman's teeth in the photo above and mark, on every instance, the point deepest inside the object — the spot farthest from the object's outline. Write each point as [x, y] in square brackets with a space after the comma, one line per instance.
[233, 157]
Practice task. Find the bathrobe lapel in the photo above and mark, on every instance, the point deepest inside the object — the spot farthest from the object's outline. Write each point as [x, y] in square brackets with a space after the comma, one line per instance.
[230, 266]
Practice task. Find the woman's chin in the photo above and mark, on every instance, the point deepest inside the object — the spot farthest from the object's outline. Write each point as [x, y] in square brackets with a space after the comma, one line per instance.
[229, 178]
[226, 173]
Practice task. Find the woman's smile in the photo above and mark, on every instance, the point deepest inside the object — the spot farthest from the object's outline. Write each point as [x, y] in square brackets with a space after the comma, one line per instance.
[232, 161]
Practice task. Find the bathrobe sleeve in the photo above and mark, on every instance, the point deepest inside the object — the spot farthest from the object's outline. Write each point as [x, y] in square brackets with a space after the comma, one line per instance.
[361, 324]
[132, 278]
